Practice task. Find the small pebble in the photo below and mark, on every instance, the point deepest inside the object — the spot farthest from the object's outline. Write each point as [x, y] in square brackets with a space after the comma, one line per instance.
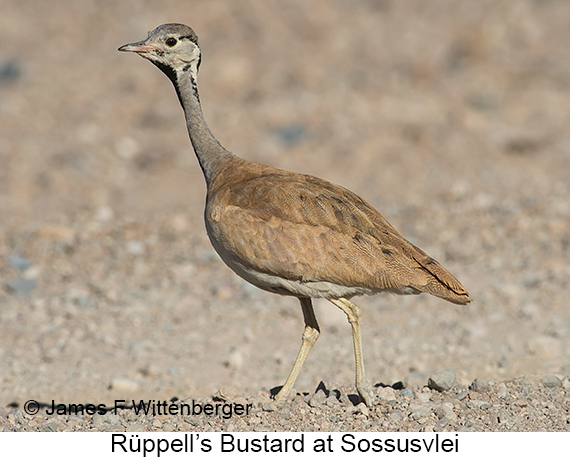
[423, 396]
[395, 416]
[228, 393]
[20, 286]
[479, 385]
[478, 404]
[530, 379]
[460, 396]
[502, 391]
[521, 402]
[351, 409]
[18, 262]
[169, 427]
[127, 148]
[386, 394]
[124, 385]
[441, 424]
[551, 381]
[331, 401]
[268, 407]
[318, 398]
[194, 421]
[363, 409]
[442, 380]
[10, 71]
[49, 426]
[103, 214]
[444, 410]
[135, 248]
[97, 420]
[235, 358]
[407, 393]
[418, 412]
[157, 424]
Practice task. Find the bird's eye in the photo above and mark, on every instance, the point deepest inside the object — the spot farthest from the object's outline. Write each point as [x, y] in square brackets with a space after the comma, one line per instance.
[171, 42]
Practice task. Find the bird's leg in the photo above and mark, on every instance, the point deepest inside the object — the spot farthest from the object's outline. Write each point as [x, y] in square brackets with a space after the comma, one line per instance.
[310, 335]
[353, 313]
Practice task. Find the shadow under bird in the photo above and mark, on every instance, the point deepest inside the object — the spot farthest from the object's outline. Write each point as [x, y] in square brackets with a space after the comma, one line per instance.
[289, 233]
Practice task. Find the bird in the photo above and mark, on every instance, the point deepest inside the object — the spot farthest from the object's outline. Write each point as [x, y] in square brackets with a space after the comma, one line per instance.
[293, 234]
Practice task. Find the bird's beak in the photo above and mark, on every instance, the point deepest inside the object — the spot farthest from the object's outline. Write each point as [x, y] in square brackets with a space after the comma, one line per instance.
[140, 47]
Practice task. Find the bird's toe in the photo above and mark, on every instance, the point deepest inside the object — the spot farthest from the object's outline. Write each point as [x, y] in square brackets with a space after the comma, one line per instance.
[367, 393]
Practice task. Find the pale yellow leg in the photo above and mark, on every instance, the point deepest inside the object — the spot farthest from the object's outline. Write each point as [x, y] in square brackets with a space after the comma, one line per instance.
[310, 335]
[353, 313]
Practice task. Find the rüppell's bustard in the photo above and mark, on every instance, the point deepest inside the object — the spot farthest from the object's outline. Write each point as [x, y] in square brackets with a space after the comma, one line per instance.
[293, 234]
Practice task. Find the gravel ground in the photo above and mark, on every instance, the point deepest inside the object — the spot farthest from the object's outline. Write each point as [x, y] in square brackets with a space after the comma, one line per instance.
[531, 403]
[450, 117]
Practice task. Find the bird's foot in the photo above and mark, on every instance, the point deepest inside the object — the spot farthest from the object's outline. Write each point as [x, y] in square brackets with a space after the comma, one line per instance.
[266, 404]
[272, 404]
[367, 392]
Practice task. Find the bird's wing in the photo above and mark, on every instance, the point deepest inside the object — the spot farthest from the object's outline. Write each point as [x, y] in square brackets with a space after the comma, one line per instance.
[304, 228]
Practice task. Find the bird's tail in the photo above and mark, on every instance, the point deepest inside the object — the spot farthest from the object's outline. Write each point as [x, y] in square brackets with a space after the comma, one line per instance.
[440, 282]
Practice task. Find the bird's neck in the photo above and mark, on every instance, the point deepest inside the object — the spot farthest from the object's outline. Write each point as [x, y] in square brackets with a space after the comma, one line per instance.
[210, 153]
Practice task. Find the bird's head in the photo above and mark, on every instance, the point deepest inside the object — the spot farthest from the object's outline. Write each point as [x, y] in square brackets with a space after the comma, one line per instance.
[171, 47]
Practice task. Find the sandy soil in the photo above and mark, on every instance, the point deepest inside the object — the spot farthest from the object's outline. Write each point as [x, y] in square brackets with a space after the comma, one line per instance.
[450, 117]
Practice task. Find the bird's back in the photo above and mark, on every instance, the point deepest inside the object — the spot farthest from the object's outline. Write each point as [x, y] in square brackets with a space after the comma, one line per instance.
[300, 235]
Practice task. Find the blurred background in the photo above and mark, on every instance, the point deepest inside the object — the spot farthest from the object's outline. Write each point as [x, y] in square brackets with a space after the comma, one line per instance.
[452, 118]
